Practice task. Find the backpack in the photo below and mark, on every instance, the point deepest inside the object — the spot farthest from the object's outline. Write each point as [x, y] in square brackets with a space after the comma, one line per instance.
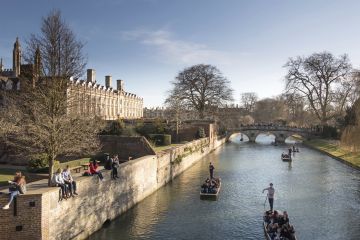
[108, 164]
[22, 188]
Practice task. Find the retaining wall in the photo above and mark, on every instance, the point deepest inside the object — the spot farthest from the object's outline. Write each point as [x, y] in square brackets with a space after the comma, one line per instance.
[41, 216]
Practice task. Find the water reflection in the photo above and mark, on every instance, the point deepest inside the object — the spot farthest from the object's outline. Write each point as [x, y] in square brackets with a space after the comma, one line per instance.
[321, 195]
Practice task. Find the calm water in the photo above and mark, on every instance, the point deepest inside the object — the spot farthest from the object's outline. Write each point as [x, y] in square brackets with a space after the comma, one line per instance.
[321, 195]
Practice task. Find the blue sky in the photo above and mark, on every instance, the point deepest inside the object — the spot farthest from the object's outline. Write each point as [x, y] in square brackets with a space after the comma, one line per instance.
[147, 42]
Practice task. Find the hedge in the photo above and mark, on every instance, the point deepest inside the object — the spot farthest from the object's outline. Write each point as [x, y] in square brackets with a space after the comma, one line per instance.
[160, 139]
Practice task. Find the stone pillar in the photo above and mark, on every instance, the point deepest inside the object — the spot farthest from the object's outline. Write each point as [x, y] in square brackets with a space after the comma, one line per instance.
[280, 138]
[252, 136]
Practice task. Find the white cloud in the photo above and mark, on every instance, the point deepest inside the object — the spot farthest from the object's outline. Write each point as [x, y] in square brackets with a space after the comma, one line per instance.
[174, 50]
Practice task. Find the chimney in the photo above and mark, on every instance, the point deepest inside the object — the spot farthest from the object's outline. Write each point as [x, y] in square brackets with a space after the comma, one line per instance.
[108, 81]
[91, 75]
[120, 85]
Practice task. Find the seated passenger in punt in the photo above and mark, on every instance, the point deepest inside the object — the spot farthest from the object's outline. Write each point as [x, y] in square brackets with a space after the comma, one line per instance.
[210, 186]
[278, 226]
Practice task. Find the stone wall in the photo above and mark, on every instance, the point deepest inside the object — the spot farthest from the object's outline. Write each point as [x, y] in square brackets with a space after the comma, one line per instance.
[77, 218]
[126, 147]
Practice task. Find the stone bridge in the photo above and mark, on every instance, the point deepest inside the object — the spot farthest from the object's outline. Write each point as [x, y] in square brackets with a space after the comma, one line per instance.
[280, 132]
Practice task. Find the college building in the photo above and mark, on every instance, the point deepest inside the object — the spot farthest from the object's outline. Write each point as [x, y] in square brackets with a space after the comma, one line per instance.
[87, 96]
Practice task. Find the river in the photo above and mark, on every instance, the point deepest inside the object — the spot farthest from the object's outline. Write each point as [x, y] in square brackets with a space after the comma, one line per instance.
[321, 195]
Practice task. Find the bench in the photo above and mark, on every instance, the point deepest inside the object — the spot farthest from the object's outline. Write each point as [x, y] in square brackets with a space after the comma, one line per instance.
[85, 166]
[77, 169]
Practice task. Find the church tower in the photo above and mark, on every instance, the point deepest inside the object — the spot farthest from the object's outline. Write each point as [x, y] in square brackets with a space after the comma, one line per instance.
[1, 65]
[16, 58]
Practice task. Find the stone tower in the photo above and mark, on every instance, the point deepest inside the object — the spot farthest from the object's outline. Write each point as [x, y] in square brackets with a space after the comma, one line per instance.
[1, 65]
[16, 58]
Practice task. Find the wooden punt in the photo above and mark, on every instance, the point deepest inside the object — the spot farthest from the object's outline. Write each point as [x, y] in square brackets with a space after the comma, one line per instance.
[286, 158]
[267, 236]
[211, 196]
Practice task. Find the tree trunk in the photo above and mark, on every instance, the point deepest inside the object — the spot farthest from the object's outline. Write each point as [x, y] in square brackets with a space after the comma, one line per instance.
[51, 169]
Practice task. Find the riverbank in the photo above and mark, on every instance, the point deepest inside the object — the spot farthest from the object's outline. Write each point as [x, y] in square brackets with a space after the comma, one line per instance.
[333, 149]
[40, 215]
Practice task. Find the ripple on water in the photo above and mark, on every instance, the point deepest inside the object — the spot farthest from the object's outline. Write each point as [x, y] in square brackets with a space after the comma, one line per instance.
[321, 195]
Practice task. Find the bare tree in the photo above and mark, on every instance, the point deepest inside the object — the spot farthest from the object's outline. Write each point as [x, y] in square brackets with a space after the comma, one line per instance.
[320, 79]
[44, 126]
[248, 101]
[61, 53]
[45, 121]
[202, 87]
[270, 110]
[176, 108]
[351, 135]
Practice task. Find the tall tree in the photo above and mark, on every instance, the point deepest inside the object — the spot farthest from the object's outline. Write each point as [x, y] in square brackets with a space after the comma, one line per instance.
[202, 88]
[351, 135]
[176, 110]
[248, 101]
[270, 110]
[320, 79]
[61, 52]
[46, 123]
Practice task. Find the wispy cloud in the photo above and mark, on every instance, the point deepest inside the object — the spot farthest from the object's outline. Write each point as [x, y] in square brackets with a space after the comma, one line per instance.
[171, 49]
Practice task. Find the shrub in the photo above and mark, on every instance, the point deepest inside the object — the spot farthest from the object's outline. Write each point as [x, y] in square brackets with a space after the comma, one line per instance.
[129, 131]
[330, 132]
[39, 163]
[156, 127]
[114, 127]
[201, 133]
[177, 160]
[160, 139]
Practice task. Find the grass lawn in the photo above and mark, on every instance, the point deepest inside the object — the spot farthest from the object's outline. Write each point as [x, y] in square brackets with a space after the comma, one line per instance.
[164, 148]
[336, 150]
[7, 174]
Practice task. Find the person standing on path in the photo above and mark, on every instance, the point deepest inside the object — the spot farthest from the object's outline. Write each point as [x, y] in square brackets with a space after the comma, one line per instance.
[211, 169]
[270, 195]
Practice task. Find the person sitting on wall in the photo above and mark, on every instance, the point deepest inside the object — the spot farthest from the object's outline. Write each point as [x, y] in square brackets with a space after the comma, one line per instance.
[114, 166]
[17, 186]
[69, 181]
[58, 181]
[93, 166]
[108, 163]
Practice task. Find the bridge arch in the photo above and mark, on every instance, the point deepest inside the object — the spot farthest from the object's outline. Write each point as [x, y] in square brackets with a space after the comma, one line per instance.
[281, 133]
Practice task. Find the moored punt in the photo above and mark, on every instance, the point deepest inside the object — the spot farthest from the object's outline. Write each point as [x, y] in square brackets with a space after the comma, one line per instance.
[211, 195]
[268, 235]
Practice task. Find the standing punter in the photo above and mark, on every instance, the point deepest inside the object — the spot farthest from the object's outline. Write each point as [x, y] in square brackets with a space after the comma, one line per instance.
[211, 169]
[270, 194]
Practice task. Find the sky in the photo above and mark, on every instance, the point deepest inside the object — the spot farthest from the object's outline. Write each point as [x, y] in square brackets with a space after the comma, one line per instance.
[147, 43]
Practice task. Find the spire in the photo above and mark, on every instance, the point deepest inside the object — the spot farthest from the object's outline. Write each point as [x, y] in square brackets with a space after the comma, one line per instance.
[16, 58]
[1, 65]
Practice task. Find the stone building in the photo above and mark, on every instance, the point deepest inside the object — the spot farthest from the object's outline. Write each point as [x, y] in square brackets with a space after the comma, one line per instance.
[10, 79]
[87, 97]
[105, 101]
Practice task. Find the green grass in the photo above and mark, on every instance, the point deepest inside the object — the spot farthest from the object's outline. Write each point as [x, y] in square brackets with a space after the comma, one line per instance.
[7, 174]
[74, 163]
[336, 150]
